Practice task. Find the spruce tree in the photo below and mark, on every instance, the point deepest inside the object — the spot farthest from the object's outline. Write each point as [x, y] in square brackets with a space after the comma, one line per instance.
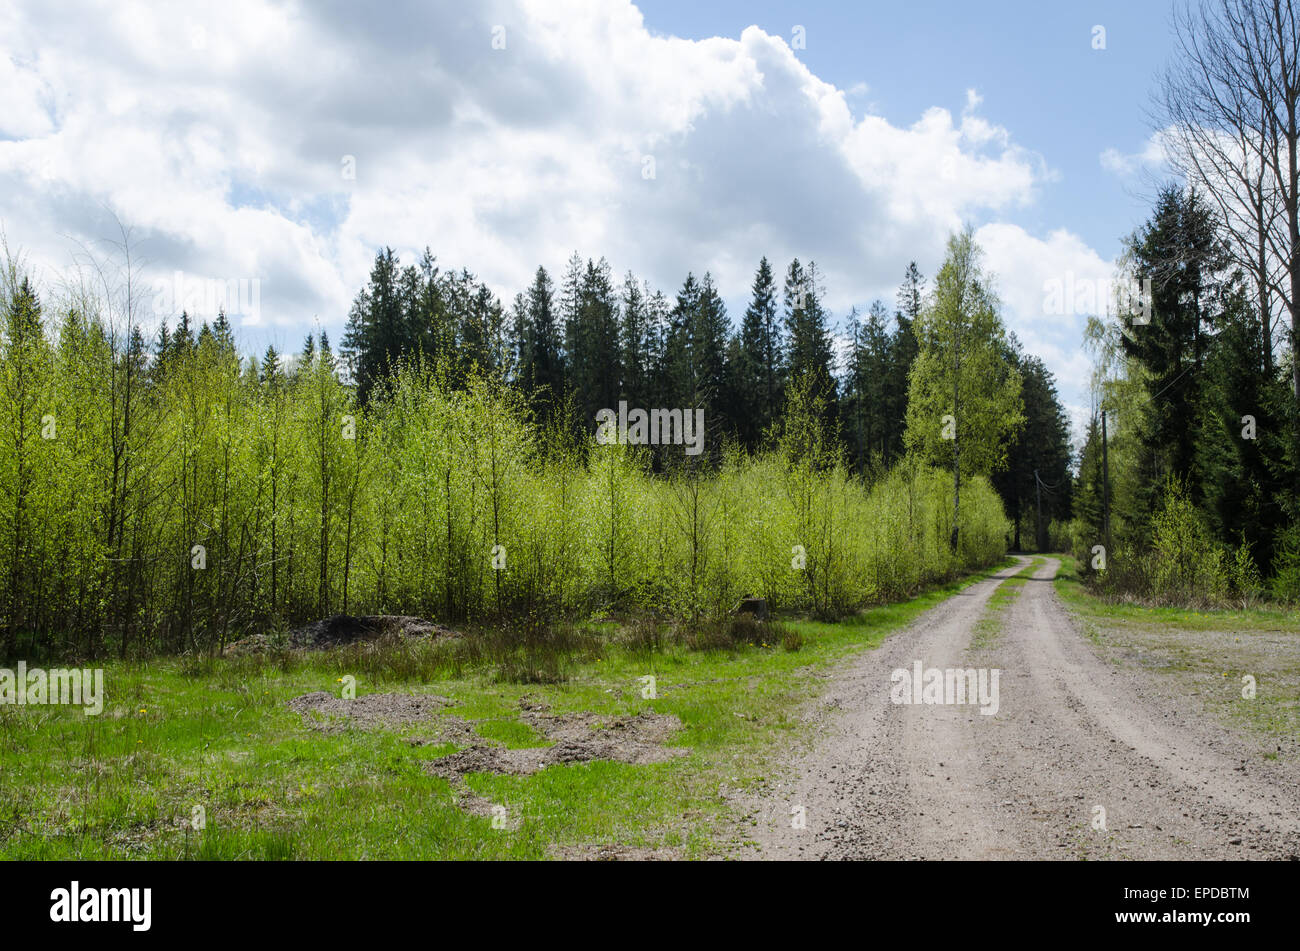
[759, 363]
[808, 343]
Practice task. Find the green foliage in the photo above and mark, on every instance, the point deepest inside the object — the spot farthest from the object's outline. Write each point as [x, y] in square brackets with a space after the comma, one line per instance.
[874, 406]
[1036, 486]
[1186, 563]
[962, 371]
[757, 364]
[808, 344]
[436, 499]
[1286, 579]
[1192, 394]
[1183, 565]
[175, 497]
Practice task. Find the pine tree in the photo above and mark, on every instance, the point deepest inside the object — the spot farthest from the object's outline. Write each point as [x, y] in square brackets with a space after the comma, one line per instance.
[902, 353]
[638, 344]
[1038, 455]
[1089, 488]
[679, 356]
[808, 343]
[183, 339]
[709, 332]
[1179, 251]
[1241, 436]
[758, 363]
[270, 370]
[594, 362]
[866, 422]
[542, 366]
[430, 329]
[224, 335]
[375, 335]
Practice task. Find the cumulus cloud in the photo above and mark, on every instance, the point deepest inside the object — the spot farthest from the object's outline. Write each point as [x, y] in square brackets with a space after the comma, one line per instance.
[1151, 157]
[1049, 288]
[287, 142]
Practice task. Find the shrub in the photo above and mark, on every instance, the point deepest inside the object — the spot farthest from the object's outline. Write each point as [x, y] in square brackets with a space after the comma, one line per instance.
[1188, 566]
[1286, 565]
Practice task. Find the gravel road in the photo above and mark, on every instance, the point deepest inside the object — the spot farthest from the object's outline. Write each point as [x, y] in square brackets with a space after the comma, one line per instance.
[1083, 759]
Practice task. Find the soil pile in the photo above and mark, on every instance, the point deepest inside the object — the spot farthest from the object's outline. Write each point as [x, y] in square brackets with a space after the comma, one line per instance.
[343, 629]
[330, 714]
[579, 738]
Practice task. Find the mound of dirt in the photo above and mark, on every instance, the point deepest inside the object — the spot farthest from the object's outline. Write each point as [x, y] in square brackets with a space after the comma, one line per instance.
[343, 629]
[330, 714]
[579, 738]
[348, 628]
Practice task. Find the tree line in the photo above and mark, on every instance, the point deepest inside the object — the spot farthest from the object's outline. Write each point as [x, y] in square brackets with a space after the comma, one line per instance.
[1197, 404]
[592, 342]
[1202, 442]
[164, 491]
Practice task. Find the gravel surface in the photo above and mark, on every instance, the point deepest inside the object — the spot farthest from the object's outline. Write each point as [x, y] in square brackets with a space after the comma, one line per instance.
[1072, 733]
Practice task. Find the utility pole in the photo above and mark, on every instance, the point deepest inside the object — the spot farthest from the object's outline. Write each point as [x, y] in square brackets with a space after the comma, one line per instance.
[1038, 526]
[956, 438]
[1105, 486]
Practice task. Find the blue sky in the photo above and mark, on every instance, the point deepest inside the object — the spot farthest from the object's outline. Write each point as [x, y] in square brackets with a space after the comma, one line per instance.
[1032, 62]
[280, 144]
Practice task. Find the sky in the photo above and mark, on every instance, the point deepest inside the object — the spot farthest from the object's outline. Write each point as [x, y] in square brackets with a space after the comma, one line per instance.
[261, 153]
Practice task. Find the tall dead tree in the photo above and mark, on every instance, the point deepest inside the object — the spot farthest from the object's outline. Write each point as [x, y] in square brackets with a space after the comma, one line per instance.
[1228, 112]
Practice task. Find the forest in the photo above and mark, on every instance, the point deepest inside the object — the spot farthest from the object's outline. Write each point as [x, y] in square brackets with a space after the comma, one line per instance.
[163, 491]
[166, 493]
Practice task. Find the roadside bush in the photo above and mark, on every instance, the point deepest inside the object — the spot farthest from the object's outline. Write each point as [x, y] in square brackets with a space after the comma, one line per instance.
[1181, 565]
[1286, 564]
[1244, 575]
[1187, 565]
[791, 640]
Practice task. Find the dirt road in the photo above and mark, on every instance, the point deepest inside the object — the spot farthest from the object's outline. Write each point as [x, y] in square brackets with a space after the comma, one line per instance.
[1081, 760]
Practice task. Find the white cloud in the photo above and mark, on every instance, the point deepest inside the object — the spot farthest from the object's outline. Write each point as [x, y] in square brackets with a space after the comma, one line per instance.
[1151, 157]
[219, 133]
[1049, 287]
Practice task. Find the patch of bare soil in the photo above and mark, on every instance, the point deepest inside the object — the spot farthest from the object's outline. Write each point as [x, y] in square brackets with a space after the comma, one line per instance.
[343, 629]
[610, 853]
[1208, 665]
[346, 628]
[579, 738]
[530, 703]
[449, 729]
[330, 714]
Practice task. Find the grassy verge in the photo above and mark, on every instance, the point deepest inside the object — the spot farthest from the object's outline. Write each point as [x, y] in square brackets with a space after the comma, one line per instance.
[1205, 652]
[989, 625]
[219, 737]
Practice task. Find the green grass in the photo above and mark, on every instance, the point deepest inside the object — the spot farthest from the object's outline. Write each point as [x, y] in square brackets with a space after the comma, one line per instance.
[989, 625]
[174, 736]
